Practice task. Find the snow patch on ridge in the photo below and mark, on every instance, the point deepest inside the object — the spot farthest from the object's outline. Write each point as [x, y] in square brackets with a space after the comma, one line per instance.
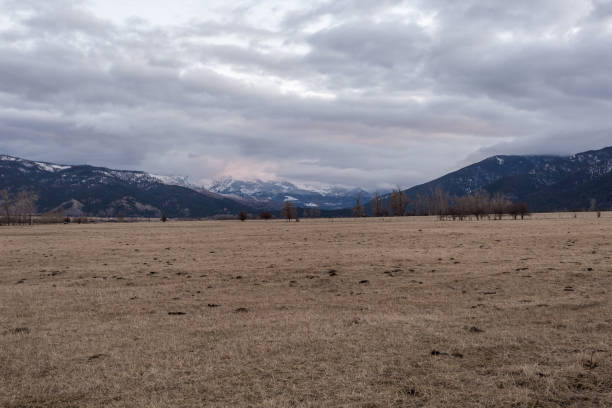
[51, 167]
[182, 181]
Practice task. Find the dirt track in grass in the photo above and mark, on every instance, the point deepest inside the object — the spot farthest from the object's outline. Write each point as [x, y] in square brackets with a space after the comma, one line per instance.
[320, 313]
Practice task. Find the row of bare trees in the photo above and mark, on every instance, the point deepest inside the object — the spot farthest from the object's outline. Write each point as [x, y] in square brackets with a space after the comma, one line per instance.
[17, 208]
[444, 205]
[398, 201]
[288, 211]
[479, 205]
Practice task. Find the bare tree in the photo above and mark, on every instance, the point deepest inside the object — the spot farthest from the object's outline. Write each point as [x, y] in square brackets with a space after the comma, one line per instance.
[358, 208]
[29, 199]
[464, 206]
[499, 205]
[289, 211]
[266, 215]
[479, 204]
[6, 201]
[420, 205]
[513, 210]
[20, 208]
[377, 205]
[439, 203]
[453, 208]
[399, 201]
[315, 212]
[518, 209]
[523, 210]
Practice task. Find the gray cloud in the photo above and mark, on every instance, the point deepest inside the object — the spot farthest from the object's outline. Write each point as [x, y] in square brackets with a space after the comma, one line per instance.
[354, 92]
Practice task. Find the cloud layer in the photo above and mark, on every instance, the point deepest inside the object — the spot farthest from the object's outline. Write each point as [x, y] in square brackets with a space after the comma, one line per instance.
[351, 92]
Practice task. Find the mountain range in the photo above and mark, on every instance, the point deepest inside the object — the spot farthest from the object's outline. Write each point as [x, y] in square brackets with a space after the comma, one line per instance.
[544, 182]
[272, 194]
[99, 191]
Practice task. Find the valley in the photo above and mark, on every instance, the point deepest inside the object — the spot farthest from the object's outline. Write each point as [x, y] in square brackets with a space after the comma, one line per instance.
[377, 312]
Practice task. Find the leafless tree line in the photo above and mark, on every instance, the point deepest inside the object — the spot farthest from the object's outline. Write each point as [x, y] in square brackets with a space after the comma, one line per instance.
[312, 212]
[479, 205]
[444, 205]
[20, 209]
[17, 209]
[398, 201]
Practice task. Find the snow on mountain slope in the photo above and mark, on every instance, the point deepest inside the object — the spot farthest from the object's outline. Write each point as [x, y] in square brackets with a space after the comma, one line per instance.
[276, 192]
[50, 167]
[182, 181]
[124, 175]
[542, 181]
[107, 192]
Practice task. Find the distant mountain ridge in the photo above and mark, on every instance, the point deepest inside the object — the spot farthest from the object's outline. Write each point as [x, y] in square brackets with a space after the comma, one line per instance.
[544, 182]
[274, 193]
[99, 191]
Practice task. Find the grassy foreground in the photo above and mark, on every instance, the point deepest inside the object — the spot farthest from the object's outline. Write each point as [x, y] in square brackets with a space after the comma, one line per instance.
[322, 313]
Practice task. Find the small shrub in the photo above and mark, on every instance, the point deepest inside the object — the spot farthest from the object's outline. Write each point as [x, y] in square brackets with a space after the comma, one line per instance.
[242, 216]
[266, 215]
[164, 218]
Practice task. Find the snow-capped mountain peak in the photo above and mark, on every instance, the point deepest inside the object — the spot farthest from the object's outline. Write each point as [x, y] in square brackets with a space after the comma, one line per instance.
[84, 189]
[44, 166]
[131, 176]
[278, 191]
[182, 181]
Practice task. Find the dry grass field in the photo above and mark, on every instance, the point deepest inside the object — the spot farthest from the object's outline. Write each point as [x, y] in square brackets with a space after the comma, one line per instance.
[404, 312]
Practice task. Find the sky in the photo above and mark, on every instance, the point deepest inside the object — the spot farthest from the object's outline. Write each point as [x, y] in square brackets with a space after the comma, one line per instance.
[357, 93]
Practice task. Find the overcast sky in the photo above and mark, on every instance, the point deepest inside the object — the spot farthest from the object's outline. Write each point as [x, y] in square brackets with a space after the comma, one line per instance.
[353, 92]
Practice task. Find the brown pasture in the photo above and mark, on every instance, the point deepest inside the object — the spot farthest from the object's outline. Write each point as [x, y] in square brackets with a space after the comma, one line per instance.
[402, 312]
